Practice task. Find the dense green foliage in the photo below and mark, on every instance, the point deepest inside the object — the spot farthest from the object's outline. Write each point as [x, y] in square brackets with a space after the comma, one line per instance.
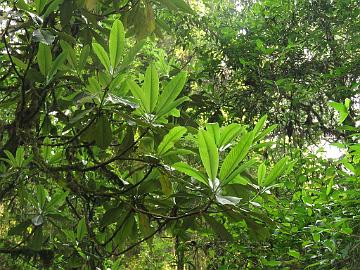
[179, 134]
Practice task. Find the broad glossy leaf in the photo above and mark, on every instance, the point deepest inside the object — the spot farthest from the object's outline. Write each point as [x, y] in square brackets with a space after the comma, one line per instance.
[167, 109]
[169, 139]
[102, 55]
[71, 55]
[260, 124]
[171, 91]
[208, 153]
[41, 196]
[229, 133]
[56, 64]
[81, 230]
[103, 135]
[236, 155]
[190, 171]
[230, 200]
[214, 130]
[151, 88]
[137, 92]
[116, 43]
[43, 36]
[44, 58]
[276, 171]
[166, 185]
[261, 174]
[218, 228]
[83, 57]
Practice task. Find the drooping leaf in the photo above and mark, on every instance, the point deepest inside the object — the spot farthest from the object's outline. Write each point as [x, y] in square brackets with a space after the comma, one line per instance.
[208, 153]
[169, 139]
[342, 109]
[227, 200]
[329, 186]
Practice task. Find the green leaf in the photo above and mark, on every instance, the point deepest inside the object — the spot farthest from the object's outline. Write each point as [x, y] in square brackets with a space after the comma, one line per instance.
[267, 131]
[56, 64]
[57, 200]
[37, 239]
[329, 186]
[165, 183]
[177, 5]
[54, 5]
[169, 139]
[260, 124]
[44, 58]
[116, 43]
[218, 228]
[137, 92]
[229, 133]
[40, 196]
[103, 135]
[294, 253]
[39, 5]
[20, 228]
[81, 230]
[234, 176]
[167, 109]
[208, 153]
[112, 215]
[144, 226]
[214, 130]
[102, 55]
[276, 171]
[190, 171]
[171, 92]
[130, 55]
[83, 57]
[71, 55]
[236, 155]
[43, 36]
[342, 109]
[261, 174]
[18, 62]
[151, 88]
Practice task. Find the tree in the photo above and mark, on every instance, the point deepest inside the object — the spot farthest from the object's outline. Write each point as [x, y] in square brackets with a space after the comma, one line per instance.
[93, 162]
